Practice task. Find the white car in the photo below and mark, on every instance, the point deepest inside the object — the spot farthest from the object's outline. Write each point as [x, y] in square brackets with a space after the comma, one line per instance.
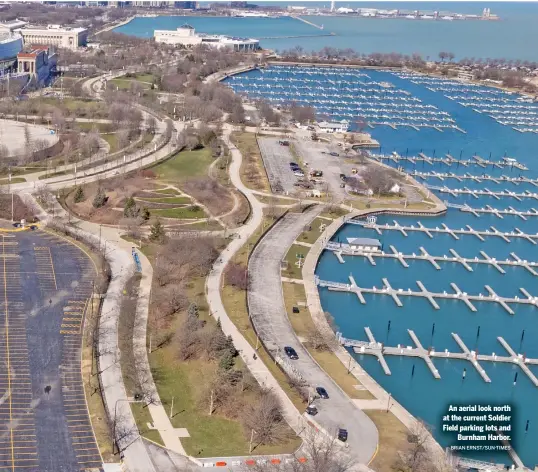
[299, 173]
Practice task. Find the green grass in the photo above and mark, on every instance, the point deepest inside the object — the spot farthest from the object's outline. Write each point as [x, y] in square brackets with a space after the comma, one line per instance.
[14, 180]
[184, 165]
[180, 212]
[125, 84]
[52, 174]
[88, 126]
[112, 140]
[167, 191]
[142, 418]
[177, 200]
[310, 236]
[292, 270]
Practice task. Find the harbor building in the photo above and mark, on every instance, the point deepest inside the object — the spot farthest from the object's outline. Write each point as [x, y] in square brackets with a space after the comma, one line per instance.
[55, 35]
[365, 244]
[186, 36]
[333, 126]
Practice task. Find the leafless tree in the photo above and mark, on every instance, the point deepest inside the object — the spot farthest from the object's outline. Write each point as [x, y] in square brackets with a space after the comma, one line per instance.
[236, 275]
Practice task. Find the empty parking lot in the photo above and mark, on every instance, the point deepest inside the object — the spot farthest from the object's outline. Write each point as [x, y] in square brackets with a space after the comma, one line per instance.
[45, 290]
[276, 159]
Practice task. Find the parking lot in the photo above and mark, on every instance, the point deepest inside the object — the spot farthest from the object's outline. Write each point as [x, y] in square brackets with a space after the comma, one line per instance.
[276, 159]
[46, 289]
[317, 155]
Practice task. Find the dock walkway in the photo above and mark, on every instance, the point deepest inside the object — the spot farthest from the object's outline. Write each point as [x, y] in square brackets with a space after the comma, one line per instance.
[480, 234]
[342, 249]
[476, 178]
[375, 348]
[396, 294]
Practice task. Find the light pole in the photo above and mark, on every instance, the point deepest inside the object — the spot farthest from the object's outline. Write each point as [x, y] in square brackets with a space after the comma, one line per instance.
[114, 422]
[250, 443]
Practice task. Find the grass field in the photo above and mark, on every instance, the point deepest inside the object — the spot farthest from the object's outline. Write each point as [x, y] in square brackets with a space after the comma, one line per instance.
[167, 191]
[112, 140]
[310, 236]
[180, 213]
[292, 270]
[252, 169]
[184, 165]
[14, 180]
[176, 200]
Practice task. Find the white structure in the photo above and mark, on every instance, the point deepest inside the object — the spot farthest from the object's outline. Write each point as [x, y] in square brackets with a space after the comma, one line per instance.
[333, 126]
[365, 244]
[186, 36]
[55, 35]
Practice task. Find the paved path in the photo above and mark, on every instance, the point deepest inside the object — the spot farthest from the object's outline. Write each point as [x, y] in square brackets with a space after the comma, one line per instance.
[268, 313]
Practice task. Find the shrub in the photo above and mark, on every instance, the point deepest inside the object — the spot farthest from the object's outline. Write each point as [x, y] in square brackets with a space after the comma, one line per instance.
[79, 195]
[100, 198]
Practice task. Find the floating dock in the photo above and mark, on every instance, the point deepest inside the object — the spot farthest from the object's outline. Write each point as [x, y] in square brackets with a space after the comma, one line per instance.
[372, 347]
[455, 192]
[340, 249]
[480, 234]
[475, 178]
[396, 294]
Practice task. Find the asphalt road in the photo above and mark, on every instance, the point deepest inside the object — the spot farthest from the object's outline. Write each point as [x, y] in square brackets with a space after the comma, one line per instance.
[268, 313]
[45, 286]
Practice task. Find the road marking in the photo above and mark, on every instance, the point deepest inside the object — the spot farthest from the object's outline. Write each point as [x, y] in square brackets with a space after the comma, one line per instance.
[8, 356]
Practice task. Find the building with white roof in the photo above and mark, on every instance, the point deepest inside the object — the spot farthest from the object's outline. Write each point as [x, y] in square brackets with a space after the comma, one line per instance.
[55, 35]
[186, 36]
[333, 126]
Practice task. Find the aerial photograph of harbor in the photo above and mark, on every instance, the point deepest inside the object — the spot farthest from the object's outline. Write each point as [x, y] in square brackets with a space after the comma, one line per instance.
[274, 236]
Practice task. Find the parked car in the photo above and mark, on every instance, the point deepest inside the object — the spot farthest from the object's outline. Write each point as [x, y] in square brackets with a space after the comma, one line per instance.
[311, 410]
[284, 143]
[298, 173]
[294, 164]
[322, 393]
[291, 353]
[342, 435]
[334, 154]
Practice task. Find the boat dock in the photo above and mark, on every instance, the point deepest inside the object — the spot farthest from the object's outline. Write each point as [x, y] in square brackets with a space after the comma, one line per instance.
[488, 209]
[480, 234]
[375, 348]
[475, 178]
[340, 249]
[455, 192]
[449, 160]
[396, 294]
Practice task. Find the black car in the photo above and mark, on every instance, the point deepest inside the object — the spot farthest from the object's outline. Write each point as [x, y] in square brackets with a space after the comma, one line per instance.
[291, 353]
[294, 164]
[311, 410]
[342, 435]
[322, 393]
[333, 154]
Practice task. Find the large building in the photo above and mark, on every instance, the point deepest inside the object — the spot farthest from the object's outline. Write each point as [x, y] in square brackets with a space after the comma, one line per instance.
[186, 36]
[55, 35]
[10, 46]
[37, 62]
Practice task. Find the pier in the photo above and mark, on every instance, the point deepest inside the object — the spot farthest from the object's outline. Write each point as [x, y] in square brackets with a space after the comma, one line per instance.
[449, 160]
[396, 294]
[340, 249]
[455, 192]
[475, 178]
[495, 211]
[375, 348]
[480, 234]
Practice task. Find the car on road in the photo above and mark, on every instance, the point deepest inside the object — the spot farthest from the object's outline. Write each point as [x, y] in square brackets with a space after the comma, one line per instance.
[335, 154]
[322, 393]
[291, 353]
[342, 434]
[311, 410]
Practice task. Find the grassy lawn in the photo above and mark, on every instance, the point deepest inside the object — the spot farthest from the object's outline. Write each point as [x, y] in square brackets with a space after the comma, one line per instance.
[252, 169]
[302, 324]
[334, 212]
[313, 234]
[181, 213]
[184, 165]
[88, 126]
[52, 174]
[167, 191]
[14, 180]
[125, 84]
[176, 200]
[112, 140]
[276, 200]
[392, 439]
[292, 270]
[210, 435]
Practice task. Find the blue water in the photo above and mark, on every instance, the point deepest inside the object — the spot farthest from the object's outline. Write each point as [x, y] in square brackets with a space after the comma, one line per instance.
[513, 37]
[421, 394]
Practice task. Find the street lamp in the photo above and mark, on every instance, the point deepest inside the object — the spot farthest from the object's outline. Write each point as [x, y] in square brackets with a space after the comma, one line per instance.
[127, 400]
